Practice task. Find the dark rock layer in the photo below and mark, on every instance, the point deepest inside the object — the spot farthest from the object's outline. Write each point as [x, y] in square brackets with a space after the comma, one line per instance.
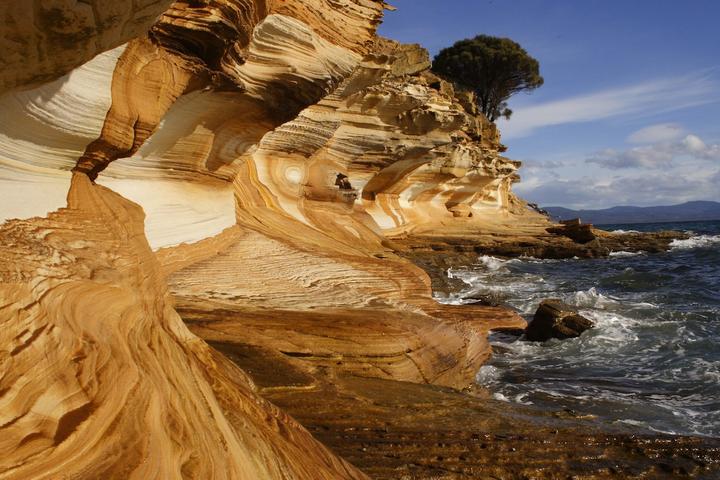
[397, 430]
[556, 319]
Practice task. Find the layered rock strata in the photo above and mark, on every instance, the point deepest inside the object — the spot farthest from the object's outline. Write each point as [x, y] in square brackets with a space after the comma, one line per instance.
[397, 430]
[43, 40]
[415, 154]
[189, 171]
[323, 274]
[101, 379]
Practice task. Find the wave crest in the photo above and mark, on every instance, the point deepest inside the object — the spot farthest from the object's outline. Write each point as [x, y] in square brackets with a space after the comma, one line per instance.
[695, 242]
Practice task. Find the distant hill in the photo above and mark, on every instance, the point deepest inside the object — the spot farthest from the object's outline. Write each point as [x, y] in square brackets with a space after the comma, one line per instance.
[685, 212]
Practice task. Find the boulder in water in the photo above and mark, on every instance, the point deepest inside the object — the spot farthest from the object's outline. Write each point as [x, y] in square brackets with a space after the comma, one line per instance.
[556, 319]
[575, 230]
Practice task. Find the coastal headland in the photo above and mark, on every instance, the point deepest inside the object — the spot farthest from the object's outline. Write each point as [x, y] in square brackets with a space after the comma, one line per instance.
[208, 211]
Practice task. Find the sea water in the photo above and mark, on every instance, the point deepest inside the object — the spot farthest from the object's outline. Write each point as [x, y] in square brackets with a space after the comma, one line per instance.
[653, 359]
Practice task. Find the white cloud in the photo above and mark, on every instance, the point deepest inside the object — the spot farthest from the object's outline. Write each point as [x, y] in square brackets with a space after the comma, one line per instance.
[664, 173]
[542, 166]
[661, 154]
[698, 149]
[642, 99]
[665, 188]
[662, 132]
[639, 157]
[694, 144]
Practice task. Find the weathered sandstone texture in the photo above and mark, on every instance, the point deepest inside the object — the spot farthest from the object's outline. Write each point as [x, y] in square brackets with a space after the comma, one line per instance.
[394, 430]
[100, 377]
[326, 286]
[43, 40]
[185, 171]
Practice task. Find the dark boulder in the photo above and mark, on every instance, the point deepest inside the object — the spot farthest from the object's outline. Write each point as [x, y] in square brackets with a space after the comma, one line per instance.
[556, 319]
[575, 230]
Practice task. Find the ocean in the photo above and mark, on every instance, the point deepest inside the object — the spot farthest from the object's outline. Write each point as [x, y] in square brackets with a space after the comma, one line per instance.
[653, 360]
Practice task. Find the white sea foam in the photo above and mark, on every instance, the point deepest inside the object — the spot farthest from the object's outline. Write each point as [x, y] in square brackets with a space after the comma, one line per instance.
[452, 299]
[521, 398]
[634, 423]
[623, 253]
[620, 231]
[522, 350]
[487, 374]
[591, 298]
[695, 242]
[665, 431]
[492, 263]
[634, 343]
[612, 331]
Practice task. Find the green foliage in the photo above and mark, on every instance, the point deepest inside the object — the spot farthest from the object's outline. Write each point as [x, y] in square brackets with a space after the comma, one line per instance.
[494, 68]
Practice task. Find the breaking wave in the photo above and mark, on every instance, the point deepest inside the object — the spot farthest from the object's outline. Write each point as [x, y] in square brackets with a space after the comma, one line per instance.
[623, 253]
[697, 241]
[651, 362]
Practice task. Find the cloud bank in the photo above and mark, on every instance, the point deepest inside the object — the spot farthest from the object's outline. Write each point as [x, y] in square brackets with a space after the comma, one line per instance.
[648, 98]
[662, 154]
[662, 188]
[661, 173]
[663, 132]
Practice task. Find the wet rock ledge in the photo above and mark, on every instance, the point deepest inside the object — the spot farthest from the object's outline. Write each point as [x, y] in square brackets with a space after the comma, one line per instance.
[399, 430]
[557, 243]
[436, 253]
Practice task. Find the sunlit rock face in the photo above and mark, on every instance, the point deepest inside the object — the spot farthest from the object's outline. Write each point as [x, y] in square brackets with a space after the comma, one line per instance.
[192, 173]
[312, 256]
[100, 377]
[415, 153]
[43, 40]
[180, 106]
[44, 130]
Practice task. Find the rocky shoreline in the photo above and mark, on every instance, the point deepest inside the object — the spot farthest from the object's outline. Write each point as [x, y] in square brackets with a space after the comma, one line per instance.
[186, 293]
[393, 429]
[399, 430]
[436, 254]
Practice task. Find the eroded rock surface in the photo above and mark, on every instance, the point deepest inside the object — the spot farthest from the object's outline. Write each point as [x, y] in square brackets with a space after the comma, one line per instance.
[101, 379]
[43, 40]
[575, 230]
[188, 172]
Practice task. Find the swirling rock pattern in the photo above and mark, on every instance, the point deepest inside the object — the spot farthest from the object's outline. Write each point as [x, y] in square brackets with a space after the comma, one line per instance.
[323, 274]
[101, 379]
[225, 126]
[418, 154]
[43, 40]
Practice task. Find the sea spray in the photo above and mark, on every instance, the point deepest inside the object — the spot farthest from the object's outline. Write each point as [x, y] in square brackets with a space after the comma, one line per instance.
[652, 361]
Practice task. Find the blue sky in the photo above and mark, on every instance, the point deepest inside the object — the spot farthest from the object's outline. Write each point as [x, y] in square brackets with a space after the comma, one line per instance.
[630, 110]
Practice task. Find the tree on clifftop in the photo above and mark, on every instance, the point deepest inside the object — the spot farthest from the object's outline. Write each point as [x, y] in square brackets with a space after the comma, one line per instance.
[494, 68]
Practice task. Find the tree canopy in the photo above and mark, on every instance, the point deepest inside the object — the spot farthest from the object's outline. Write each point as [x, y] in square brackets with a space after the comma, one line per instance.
[494, 68]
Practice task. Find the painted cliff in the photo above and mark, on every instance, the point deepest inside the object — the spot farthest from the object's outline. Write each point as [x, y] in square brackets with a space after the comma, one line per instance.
[243, 167]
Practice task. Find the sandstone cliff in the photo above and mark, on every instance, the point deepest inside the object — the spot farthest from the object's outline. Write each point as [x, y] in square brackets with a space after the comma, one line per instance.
[190, 172]
[43, 40]
[101, 379]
